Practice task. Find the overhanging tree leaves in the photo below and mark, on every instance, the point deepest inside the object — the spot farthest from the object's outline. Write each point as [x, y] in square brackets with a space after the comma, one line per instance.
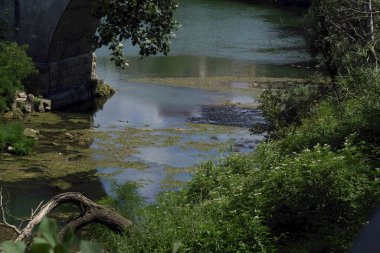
[147, 23]
[344, 33]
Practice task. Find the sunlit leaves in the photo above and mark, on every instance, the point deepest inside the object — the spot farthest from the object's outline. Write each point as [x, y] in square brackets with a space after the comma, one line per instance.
[146, 23]
[15, 66]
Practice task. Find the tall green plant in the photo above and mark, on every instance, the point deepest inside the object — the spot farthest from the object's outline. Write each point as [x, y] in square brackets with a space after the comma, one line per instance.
[15, 66]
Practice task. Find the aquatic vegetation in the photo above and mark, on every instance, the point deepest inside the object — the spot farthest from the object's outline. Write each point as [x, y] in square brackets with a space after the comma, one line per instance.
[254, 85]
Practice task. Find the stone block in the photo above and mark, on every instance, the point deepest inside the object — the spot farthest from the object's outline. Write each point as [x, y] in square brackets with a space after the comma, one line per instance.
[21, 95]
[20, 100]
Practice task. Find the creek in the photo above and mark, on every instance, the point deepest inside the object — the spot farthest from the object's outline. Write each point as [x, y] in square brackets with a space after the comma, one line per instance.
[157, 127]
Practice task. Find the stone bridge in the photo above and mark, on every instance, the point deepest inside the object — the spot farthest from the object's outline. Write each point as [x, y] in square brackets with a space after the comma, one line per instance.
[57, 32]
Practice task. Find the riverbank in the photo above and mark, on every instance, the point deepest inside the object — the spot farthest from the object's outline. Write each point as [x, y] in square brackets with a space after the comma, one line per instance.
[303, 190]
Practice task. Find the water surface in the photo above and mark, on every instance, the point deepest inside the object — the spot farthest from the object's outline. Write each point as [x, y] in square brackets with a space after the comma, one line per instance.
[147, 125]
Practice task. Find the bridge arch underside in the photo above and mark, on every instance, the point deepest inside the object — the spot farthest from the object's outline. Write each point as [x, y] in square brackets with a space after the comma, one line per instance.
[57, 33]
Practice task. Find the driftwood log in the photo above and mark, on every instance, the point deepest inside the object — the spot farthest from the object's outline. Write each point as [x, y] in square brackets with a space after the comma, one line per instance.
[90, 213]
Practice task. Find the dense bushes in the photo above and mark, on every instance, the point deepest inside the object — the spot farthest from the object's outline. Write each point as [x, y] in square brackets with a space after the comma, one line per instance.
[315, 200]
[350, 110]
[15, 66]
[311, 201]
[12, 135]
[342, 33]
[285, 108]
[310, 189]
[175, 223]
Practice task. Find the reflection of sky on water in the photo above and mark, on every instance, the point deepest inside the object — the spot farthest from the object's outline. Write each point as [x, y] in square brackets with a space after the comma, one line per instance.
[159, 158]
[251, 43]
[173, 156]
[150, 180]
[159, 106]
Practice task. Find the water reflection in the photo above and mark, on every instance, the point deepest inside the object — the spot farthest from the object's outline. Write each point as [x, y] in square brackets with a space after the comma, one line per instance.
[149, 180]
[225, 38]
[218, 38]
[157, 106]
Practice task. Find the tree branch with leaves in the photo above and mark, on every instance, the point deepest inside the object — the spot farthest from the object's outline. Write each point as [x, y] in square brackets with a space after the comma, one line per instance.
[148, 24]
[343, 33]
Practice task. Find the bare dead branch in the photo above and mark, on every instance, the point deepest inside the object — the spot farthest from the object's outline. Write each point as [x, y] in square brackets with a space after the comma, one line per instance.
[90, 213]
[4, 222]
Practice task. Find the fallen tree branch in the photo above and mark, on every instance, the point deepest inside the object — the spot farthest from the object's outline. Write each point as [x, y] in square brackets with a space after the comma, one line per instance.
[4, 222]
[90, 213]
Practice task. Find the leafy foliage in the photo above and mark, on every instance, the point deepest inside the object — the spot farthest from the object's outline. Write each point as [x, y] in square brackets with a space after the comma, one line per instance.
[147, 23]
[315, 200]
[175, 224]
[284, 108]
[15, 66]
[47, 241]
[306, 200]
[344, 33]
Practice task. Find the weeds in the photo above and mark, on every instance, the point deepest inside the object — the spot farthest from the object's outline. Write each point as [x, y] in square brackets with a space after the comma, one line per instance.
[12, 139]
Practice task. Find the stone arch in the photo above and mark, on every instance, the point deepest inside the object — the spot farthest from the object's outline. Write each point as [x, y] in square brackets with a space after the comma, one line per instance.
[56, 32]
[74, 28]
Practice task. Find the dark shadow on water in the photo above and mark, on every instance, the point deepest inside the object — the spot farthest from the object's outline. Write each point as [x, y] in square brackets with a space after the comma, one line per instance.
[23, 196]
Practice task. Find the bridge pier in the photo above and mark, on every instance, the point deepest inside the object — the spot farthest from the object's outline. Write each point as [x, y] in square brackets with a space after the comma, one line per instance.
[57, 33]
[66, 81]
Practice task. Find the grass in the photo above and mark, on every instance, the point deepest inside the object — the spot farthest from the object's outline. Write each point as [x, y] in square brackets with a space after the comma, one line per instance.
[12, 137]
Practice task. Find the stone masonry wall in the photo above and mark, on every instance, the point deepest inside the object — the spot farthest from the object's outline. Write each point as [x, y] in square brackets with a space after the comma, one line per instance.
[69, 81]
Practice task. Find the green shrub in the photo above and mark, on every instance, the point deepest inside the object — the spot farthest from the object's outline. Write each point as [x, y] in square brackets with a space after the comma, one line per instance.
[317, 200]
[12, 134]
[285, 108]
[15, 66]
[312, 201]
[349, 110]
[343, 41]
[174, 224]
